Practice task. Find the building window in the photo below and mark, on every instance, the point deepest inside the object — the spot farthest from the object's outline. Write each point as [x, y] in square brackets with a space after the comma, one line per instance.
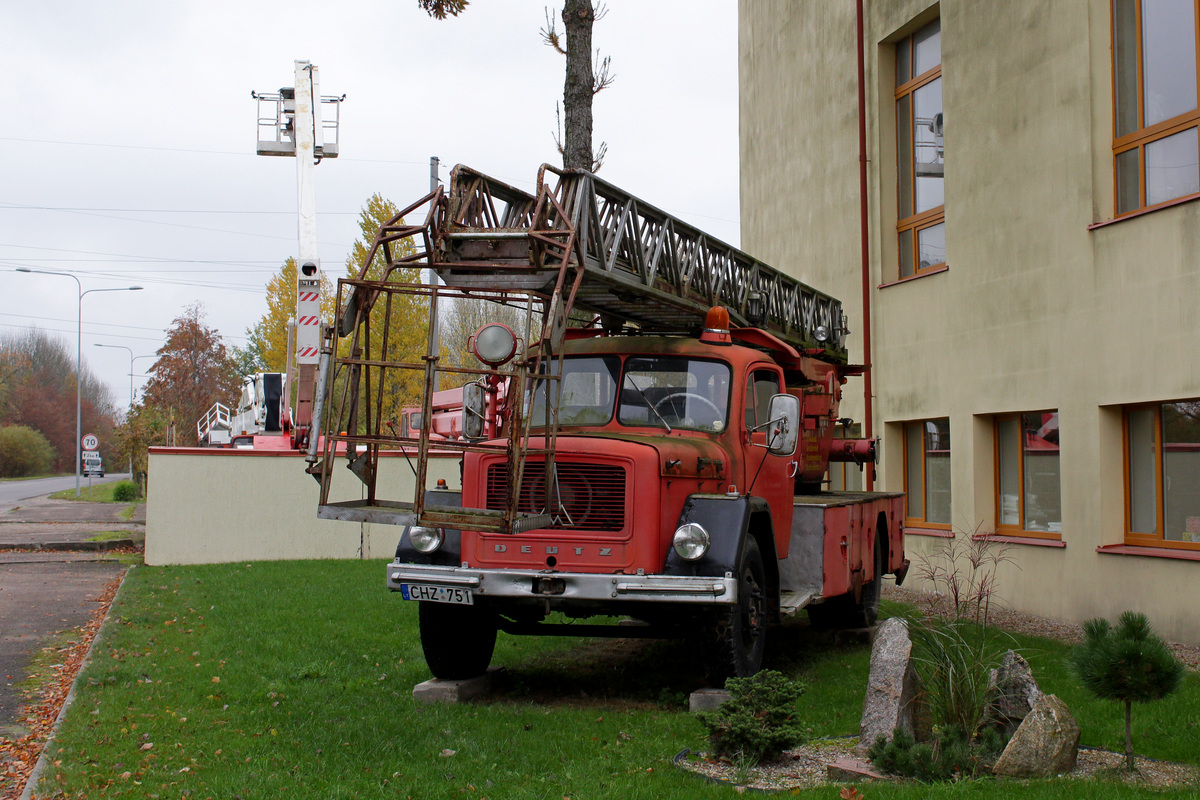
[1028, 482]
[1156, 151]
[1162, 474]
[846, 476]
[927, 472]
[920, 151]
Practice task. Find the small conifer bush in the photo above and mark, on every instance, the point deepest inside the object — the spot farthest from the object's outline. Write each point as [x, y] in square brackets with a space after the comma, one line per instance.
[951, 754]
[1128, 663]
[758, 721]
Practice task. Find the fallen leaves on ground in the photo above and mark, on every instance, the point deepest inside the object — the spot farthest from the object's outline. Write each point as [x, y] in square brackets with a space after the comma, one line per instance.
[18, 756]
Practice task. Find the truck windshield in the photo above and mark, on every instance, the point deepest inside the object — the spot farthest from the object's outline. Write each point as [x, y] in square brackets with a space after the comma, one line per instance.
[655, 392]
[589, 389]
[672, 392]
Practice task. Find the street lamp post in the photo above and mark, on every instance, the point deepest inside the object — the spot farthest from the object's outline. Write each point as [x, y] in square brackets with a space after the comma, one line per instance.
[129, 415]
[79, 355]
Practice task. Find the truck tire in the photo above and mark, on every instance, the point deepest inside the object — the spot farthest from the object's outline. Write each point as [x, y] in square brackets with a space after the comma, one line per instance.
[843, 612]
[458, 641]
[737, 636]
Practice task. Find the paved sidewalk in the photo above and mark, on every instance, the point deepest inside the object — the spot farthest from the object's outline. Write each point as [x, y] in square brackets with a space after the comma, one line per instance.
[44, 524]
[51, 575]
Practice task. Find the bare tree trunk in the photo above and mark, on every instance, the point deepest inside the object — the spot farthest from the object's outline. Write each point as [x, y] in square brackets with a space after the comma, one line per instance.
[578, 16]
[1129, 763]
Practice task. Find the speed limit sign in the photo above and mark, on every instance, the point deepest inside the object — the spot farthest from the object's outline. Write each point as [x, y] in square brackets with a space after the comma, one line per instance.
[90, 442]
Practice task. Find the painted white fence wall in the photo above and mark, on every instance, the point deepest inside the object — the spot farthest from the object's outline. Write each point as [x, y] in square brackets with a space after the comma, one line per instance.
[208, 506]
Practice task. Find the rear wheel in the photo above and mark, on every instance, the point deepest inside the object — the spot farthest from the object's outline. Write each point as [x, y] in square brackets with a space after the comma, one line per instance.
[843, 611]
[737, 636]
[458, 641]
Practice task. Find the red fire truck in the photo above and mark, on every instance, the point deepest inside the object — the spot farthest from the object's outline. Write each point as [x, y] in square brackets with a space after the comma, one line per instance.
[661, 461]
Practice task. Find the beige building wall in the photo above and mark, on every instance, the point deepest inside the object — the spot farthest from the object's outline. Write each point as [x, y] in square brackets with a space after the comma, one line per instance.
[209, 506]
[1034, 311]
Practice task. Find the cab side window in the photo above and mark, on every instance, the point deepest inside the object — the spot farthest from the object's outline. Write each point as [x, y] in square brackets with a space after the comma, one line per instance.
[762, 385]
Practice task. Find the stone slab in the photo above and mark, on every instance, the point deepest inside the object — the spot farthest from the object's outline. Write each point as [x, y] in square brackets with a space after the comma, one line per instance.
[436, 690]
[852, 770]
[707, 699]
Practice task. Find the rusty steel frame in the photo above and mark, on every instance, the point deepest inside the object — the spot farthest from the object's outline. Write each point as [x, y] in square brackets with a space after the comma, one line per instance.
[479, 211]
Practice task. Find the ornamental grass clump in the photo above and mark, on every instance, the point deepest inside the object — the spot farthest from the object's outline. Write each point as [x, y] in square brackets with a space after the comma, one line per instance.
[758, 721]
[1128, 663]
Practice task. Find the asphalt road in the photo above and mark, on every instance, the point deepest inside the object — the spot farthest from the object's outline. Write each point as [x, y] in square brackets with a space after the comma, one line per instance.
[13, 492]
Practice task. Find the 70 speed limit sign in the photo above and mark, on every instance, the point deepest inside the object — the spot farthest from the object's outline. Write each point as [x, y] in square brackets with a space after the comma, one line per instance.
[90, 442]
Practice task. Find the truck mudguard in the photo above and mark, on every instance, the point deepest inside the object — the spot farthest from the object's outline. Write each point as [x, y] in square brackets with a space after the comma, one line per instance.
[727, 519]
[450, 553]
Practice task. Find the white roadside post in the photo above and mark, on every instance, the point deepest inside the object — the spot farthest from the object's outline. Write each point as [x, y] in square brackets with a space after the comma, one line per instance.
[90, 443]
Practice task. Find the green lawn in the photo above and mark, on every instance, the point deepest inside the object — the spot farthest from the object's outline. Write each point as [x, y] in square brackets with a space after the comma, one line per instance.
[294, 679]
[96, 493]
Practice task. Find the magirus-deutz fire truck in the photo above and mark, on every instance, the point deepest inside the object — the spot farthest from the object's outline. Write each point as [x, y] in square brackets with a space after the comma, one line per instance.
[652, 446]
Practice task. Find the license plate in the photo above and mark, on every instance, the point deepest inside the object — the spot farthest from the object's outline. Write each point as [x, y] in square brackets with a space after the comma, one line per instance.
[436, 594]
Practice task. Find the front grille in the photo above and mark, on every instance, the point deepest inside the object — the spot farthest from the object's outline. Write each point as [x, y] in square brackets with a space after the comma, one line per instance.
[593, 495]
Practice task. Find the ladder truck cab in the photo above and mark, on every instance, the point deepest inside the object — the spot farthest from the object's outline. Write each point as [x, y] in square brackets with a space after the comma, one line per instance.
[663, 463]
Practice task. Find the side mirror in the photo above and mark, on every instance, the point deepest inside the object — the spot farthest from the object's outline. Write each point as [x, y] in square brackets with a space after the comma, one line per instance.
[474, 408]
[783, 431]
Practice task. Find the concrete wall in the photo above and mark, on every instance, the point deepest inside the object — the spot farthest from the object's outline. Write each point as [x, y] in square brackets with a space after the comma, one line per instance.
[1035, 311]
[211, 505]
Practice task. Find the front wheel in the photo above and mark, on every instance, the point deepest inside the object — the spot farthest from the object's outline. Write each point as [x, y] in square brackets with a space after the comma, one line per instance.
[458, 641]
[737, 636]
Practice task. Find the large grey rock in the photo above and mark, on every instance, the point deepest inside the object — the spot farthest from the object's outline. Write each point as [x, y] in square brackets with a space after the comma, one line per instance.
[892, 686]
[1046, 742]
[1012, 692]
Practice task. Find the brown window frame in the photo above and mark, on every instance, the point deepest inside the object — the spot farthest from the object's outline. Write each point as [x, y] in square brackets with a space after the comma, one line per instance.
[839, 476]
[1147, 135]
[1020, 529]
[923, 520]
[914, 223]
[1139, 538]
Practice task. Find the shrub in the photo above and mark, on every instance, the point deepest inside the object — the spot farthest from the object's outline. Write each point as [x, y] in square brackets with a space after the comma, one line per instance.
[1127, 663]
[961, 574]
[126, 492]
[952, 754]
[23, 451]
[758, 721]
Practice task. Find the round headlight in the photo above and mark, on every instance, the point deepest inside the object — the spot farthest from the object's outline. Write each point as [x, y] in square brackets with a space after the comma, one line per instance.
[691, 541]
[425, 539]
[494, 344]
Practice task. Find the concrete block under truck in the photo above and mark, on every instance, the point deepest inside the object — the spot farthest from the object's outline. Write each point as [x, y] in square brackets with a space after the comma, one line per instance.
[651, 445]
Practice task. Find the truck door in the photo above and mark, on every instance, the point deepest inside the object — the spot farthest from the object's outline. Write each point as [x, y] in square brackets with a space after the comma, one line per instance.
[767, 476]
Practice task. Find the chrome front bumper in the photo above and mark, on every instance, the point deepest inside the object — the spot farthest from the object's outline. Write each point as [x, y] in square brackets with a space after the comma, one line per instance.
[568, 586]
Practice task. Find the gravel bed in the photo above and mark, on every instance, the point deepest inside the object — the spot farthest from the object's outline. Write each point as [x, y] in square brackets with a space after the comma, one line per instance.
[806, 766]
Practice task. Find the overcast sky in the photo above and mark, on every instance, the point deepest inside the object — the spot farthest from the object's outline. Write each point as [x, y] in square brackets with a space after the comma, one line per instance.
[127, 150]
